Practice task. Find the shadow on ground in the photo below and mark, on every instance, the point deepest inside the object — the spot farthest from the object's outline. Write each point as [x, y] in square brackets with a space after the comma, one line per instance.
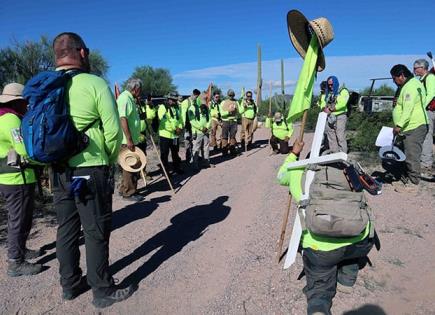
[368, 309]
[186, 227]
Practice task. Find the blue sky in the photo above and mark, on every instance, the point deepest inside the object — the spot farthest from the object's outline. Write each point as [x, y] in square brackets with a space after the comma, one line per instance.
[203, 41]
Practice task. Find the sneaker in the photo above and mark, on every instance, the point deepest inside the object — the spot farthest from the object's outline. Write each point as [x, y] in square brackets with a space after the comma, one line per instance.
[22, 268]
[71, 294]
[344, 288]
[32, 253]
[133, 198]
[426, 173]
[115, 295]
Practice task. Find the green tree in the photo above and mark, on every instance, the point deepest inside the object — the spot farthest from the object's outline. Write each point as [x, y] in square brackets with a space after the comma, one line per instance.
[156, 81]
[383, 90]
[22, 60]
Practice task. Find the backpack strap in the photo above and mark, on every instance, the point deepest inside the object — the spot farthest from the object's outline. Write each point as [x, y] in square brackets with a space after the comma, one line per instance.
[91, 124]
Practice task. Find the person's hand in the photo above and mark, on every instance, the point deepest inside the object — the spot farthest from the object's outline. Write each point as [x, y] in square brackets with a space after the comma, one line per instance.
[396, 130]
[286, 139]
[204, 130]
[297, 147]
[130, 145]
[327, 110]
[178, 131]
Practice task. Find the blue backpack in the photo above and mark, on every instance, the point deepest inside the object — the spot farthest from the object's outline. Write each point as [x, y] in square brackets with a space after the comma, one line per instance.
[48, 132]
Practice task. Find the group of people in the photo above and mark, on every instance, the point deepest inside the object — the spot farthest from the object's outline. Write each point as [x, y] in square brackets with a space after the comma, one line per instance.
[124, 123]
[200, 123]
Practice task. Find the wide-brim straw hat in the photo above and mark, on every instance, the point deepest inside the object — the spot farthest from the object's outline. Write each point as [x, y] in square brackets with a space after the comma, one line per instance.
[132, 161]
[300, 31]
[12, 92]
[392, 153]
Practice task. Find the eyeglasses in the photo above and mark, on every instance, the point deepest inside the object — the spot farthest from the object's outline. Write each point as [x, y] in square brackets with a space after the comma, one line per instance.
[415, 68]
[248, 95]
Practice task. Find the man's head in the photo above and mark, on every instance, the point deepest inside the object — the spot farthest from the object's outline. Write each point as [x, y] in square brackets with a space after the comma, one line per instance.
[134, 85]
[248, 95]
[400, 74]
[12, 97]
[277, 117]
[216, 96]
[231, 93]
[421, 67]
[172, 99]
[195, 94]
[323, 87]
[71, 52]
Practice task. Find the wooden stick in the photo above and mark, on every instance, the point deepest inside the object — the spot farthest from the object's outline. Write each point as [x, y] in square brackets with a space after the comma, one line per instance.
[287, 210]
[283, 227]
[304, 120]
[143, 177]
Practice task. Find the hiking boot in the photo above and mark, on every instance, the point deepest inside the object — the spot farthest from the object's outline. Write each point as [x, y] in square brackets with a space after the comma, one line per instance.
[114, 295]
[344, 288]
[22, 268]
[32, 253]
[71, 294]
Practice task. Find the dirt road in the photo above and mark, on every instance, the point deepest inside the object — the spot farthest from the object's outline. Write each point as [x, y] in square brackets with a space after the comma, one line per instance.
[210, 249]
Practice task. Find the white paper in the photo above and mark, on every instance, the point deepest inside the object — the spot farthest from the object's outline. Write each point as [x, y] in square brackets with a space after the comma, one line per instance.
[385, 137]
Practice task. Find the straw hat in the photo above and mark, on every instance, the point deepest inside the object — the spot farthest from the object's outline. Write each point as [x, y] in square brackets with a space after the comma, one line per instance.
[12, 92]
[132, 161]
[300, 31]
[392, 153]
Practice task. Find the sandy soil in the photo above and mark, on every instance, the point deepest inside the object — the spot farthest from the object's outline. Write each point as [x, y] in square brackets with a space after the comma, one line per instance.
[210, 249]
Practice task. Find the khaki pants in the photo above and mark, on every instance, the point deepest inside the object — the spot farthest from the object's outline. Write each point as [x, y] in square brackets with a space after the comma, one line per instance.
[427, 153]
[247, 130]
[336, 134]
[128, 186]
[229, 130]
[216, 133]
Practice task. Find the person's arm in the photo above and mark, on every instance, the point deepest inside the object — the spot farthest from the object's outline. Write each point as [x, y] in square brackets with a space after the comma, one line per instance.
[12, 124]
[125, 109]
[126, 130]
[410, 98]
[430, 88]
[342, 99]
[292, 178]
[192, 118]
[108, 113]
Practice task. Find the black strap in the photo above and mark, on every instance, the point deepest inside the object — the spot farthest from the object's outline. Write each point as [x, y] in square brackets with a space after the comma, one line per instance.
[90, 125]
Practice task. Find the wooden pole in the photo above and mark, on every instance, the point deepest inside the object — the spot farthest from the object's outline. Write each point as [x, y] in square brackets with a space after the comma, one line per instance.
[287, 210]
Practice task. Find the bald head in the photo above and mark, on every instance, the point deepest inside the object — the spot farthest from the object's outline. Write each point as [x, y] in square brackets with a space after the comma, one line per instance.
[70, 51]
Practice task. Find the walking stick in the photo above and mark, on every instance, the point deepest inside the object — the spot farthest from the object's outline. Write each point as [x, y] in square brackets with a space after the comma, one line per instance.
[160, 160]
[287, 210]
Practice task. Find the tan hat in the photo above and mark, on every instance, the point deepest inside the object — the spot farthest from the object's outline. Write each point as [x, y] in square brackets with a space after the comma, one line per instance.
[300, 31]
[12, 92]
[132, 161]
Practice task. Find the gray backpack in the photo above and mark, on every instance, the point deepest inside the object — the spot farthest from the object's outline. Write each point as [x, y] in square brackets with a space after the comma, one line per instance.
[333, 209]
